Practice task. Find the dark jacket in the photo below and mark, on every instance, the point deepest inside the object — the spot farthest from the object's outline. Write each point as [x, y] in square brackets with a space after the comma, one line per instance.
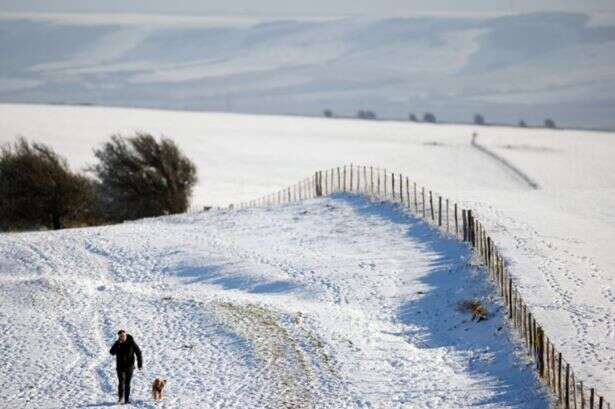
[125, 354]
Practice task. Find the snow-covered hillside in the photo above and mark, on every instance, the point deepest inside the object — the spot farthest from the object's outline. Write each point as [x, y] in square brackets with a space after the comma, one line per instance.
[332, 303]
[506, 67]
[558, 238]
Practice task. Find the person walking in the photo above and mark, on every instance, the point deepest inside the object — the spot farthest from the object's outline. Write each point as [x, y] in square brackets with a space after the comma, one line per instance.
[125, 349]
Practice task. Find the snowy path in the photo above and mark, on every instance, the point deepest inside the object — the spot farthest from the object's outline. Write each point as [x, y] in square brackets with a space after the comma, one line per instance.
[334, 303]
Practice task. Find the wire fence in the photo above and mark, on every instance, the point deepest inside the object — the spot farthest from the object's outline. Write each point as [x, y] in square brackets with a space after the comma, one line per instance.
[552, 368]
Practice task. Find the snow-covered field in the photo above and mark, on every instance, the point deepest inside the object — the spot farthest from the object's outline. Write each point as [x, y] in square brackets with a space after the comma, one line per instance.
[506, 67]
[557, 238]
[332, 303]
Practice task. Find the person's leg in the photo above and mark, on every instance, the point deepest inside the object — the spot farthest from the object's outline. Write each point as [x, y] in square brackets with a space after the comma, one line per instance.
[128, 378]
[120, 383]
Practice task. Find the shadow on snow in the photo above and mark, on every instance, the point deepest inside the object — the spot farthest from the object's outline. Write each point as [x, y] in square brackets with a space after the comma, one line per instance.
[220, 274]
[434, 321]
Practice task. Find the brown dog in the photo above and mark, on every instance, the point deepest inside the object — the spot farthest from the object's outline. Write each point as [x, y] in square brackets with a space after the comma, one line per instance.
[157, 388]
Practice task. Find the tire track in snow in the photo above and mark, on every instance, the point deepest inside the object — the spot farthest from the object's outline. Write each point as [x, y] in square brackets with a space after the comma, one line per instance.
[288, 372]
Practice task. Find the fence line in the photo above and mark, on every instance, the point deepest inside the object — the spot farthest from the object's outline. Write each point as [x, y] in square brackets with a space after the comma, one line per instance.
[553, 369]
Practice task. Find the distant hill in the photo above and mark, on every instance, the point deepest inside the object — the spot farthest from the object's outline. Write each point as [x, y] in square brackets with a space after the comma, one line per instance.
[507, 68]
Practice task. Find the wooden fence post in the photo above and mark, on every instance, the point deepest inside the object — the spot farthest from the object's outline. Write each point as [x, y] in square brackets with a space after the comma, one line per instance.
[456, 222]
[502, 281]
[401, 190]
[310, 186]
[548, 362]
[378, 181]
[591, 398]
[351, 178]
[495, 265]
[339, 180]
[488, 252]
[447, 218]
[393, 185]
[371, 180]
[464, 225]
[470, 228]
[385, 183]
[582, 396]
[358, 178]
[423, 193]
[510, 304]
[439, 211]
[416, 202]
[479, 237]
[530, 334]
[485, 244]
[326, 184]
[553, 371]
[433, 218]
[408, 192]
[559, 376]
[574, 391]
[567, 393]
[541, 350]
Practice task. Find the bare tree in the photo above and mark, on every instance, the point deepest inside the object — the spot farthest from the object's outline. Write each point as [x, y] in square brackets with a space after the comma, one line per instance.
[38, 189]
[479, 119]
[549, 123]
[142, 177]
[429, 117]
[412, 118]
[366, 114]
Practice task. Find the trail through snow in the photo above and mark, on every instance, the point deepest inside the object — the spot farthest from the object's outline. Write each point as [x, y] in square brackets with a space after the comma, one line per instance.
[332, 303]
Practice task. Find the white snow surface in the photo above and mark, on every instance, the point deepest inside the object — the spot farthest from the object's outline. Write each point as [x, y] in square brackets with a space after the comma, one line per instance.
[557, 239]
[332, 303]
[506, 67]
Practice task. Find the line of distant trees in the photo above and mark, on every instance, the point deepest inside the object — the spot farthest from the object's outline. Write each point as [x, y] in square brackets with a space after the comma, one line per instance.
[134, 177]
[429, 117]
[478, 120]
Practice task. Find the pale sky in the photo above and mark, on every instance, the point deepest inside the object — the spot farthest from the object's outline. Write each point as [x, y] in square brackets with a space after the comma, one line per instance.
[379, 7]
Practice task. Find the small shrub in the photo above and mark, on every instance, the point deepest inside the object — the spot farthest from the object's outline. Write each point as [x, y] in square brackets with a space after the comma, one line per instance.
[478, 311]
